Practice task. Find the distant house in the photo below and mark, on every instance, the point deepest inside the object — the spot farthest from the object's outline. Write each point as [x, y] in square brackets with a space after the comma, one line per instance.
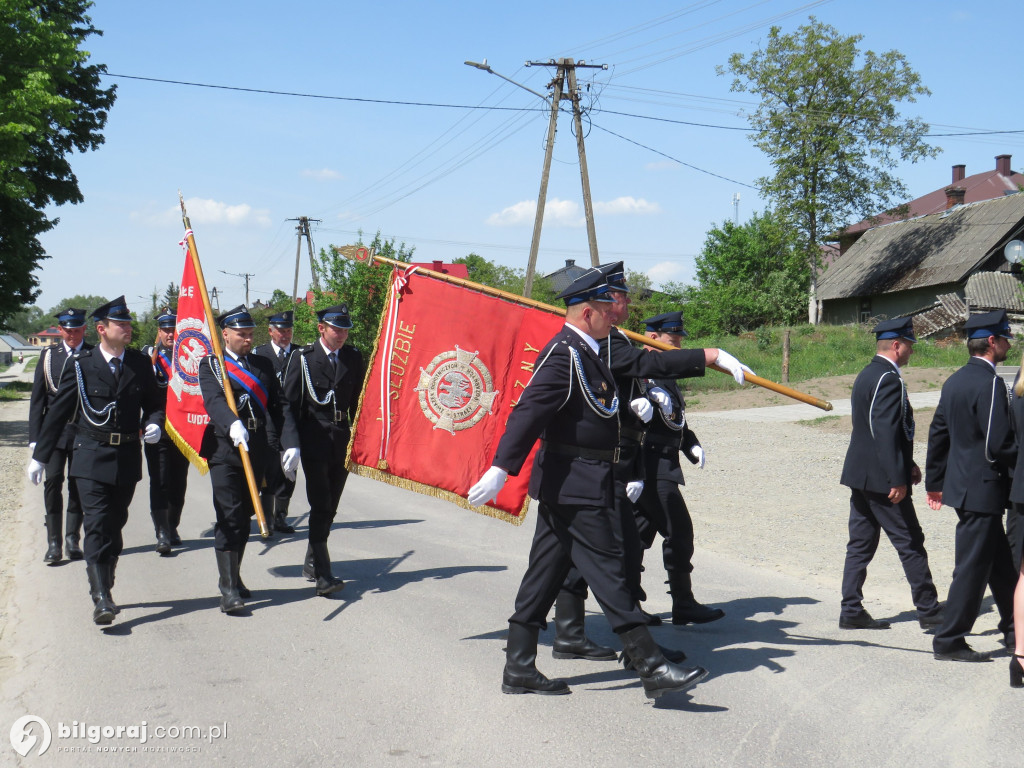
[561, 277]
[12, 345]
[42, 338]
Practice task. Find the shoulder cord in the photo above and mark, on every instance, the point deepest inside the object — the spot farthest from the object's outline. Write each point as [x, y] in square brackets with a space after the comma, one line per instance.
[991, 407]
[906, 420]
[595, 405]
[48, 373]
[328, 398]
[87, 410]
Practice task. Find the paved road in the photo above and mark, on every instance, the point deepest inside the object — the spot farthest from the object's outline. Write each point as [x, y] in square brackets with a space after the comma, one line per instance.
[403, 667]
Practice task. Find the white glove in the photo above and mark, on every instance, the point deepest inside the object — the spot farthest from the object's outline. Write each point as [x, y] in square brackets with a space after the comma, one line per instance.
[698, 453]
[31, 446]
[35, 471]
[732, 365]
[634, 489]
[239, 435]
[662, 398]
[152, 434]
[642, 408]
[290, 462]
[487, 487]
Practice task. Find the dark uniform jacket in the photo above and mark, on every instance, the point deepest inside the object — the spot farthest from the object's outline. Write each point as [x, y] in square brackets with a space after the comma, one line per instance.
[569, 408]
[44, 388]
[317, 420]
[881, 452]
[972, 451]
[1017, 414]
[138, 403]
[273, 430]
[162, 379]
[268, 351]
[667, 436]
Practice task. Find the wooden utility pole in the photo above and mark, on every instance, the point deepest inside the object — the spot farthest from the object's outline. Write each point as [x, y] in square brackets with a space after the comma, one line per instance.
[303, 231]
[566, 68]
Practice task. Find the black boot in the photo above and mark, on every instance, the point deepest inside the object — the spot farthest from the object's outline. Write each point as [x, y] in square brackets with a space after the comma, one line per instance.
[227, 566]
[521, 674]
[72, 536]
[162, 528]
[676, 657]
[243, 591]
[571, 641]
[685, 608]
[280, 515]
[326, 584]
[267, 503]
[100, 583]
[53, 540]
[309, 567]
[173, 521]
[658, 674]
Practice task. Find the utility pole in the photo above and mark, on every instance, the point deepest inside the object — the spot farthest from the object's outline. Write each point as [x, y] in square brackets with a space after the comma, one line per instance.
[303, 231]
[245, 276]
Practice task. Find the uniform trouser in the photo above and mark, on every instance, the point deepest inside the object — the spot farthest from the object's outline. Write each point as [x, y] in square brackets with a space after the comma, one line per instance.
[870, 514]
[325, 480]
[277, 485]
[53, 486]
[105, 507]
[232, 501]
[982, 557]
[168, 476]
[585, 537]
[661, 509]
[1015, 532]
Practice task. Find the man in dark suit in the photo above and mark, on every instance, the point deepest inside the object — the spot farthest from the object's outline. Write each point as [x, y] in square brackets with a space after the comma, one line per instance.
[879, 471]
[111, 395]
[262, 426]
[571, 403]
[71, 323]
[661, 507]
[167, 465]
[322, 387]
[276, 494]
[972, 453]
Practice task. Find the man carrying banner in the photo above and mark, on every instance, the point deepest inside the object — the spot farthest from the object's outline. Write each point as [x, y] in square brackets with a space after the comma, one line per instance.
[111, 394]
[168, 466]
[71, 323]
[322, 387]
[262, 426]
[276, 494]
[572, 404]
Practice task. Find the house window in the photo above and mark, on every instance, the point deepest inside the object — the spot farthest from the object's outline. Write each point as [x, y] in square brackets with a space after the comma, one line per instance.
[865, 310]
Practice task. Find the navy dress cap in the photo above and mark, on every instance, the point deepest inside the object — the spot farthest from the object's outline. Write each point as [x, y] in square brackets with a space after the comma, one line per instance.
[896, 328]
[615, 275]
[166, 320]
[988, 324]
[282, 319]
[71, 318]
[336, 316]
[590, 286]
[238, 317]
[667, 322]
[116, 309]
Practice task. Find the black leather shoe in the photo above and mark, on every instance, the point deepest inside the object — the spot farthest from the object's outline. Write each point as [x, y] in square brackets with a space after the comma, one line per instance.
[930, 622]
[72, 547]
[651, 619]
[281, 524]
[862, 620]
[962, 654]
[676, 657]
[328, 585]
[695, 613]
[175, 537]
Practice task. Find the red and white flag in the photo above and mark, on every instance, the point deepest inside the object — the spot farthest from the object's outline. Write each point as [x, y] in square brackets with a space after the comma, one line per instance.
[449, 365]
[186, 415]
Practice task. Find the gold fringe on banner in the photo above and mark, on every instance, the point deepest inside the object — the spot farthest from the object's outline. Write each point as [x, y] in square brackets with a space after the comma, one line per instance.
[189, 452]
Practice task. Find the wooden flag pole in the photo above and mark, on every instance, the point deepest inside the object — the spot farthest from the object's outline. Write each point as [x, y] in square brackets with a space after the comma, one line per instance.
[228, 394]
[362, 254]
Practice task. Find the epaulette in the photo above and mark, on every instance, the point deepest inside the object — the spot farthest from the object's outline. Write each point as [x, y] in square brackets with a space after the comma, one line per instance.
[306, 350]
[82, 353]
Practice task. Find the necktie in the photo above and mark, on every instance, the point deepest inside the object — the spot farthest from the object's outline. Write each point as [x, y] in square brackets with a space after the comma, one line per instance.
[242, 363]
[280, 354]
[115, 368]
[333, 358]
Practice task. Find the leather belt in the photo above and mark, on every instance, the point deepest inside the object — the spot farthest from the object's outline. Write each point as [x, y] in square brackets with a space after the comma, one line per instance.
[667, 442]
[110, 438]
[636, 435]
[578, 452]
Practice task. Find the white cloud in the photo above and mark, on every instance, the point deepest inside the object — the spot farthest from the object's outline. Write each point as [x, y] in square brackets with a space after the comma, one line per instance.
[670, 272]
[202, 211]
[557, 213]
[324, 174]
[661, 165]
[626, 205]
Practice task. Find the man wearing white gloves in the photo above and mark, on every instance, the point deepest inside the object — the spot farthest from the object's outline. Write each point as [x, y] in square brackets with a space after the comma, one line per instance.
[661, 508]
[111, 395]
[262, 425]
[322, 385]
[572, 404]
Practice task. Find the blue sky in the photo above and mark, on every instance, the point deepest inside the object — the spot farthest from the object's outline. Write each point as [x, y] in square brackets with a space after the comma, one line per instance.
[452, 181]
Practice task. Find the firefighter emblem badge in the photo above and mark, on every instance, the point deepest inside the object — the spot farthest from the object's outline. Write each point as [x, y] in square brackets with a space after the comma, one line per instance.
[455, 390]
[191, 344]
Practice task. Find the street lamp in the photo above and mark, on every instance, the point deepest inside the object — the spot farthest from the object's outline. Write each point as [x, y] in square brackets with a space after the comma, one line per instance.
[487, 68]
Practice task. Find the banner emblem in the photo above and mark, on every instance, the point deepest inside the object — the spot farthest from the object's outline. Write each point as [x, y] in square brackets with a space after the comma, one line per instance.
[191, 345]
[455, 390]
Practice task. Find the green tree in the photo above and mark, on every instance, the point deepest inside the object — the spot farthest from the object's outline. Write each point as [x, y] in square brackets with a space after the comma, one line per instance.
[829, 123]
[508, 279]
[51, 104]
[748, 275]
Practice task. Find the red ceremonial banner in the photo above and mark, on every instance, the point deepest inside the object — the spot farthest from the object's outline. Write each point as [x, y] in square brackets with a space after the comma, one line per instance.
[449, 365]
[186, 416]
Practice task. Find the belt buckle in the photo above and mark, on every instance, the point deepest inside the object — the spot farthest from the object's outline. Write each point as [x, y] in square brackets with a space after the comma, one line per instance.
[115, 438]
[252, 424]
[615, 455]
[339, 417]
